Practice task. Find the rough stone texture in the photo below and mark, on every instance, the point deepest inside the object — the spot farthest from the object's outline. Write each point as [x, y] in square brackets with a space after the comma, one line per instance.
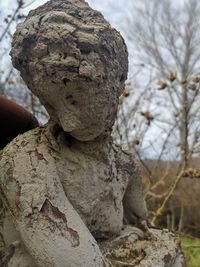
[65, 185]
[78, 56]
[32, 166]
[128, 250]
[49, 227]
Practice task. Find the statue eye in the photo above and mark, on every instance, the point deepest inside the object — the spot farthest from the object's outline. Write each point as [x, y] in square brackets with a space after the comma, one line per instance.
[65, 81]
[71, 100]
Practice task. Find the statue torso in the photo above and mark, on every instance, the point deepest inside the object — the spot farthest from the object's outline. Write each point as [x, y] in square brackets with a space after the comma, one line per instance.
[88, 173]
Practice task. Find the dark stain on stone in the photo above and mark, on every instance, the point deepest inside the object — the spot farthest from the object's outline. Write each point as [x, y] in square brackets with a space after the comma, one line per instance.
[9, 174]
[65, 81]
[167, 258]
[58, 219]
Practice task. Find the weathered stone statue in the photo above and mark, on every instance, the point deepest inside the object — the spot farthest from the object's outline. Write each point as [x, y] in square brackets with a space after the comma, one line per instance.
[65, 187]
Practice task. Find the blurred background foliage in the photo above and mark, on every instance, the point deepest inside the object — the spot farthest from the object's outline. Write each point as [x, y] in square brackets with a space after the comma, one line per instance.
[191, 248]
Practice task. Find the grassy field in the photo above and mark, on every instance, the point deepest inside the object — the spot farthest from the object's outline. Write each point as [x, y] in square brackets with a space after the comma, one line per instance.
[191, 248]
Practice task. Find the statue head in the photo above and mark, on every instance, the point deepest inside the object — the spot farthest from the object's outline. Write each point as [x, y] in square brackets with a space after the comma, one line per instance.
[75, 62]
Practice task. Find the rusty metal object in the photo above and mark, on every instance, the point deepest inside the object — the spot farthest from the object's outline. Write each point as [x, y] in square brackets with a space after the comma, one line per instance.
[14, 120]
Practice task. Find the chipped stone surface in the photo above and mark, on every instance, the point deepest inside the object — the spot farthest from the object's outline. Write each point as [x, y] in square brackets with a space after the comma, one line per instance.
[45, 219]
[78, 56]
[161, 250]
[49, 227]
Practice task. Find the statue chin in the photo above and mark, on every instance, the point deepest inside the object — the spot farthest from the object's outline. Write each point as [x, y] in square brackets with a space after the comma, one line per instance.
[84, 135]
[77, 130]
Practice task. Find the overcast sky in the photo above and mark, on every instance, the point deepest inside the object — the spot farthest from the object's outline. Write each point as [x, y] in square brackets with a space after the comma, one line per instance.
[113, 10]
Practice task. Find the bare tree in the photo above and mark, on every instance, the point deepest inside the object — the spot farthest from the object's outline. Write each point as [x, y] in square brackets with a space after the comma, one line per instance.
[161, 118]
[164, 40]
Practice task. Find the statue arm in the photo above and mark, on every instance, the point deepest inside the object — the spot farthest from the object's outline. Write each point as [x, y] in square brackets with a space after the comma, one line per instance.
[50, 228]
[135, 210]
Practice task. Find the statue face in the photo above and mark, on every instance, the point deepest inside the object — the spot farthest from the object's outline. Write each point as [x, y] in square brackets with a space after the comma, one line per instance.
[83, 110]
